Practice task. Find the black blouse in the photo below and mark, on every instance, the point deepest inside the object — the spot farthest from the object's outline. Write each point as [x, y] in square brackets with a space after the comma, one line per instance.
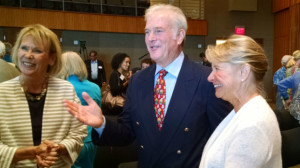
[116, 84]
[36, 109]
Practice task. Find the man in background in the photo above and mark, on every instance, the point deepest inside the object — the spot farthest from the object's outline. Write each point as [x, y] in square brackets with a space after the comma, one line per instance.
[95, 68]
[204, 60]
[279, 75]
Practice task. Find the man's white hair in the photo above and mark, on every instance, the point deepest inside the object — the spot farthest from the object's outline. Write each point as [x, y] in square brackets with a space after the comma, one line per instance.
[285, 59]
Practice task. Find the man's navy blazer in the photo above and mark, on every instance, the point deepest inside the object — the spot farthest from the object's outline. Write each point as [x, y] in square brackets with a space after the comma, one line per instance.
[193, 114]
[101, 72]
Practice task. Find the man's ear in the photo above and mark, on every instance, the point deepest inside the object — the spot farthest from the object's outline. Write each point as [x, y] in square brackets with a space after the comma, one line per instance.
[245, 72]
[180, 36]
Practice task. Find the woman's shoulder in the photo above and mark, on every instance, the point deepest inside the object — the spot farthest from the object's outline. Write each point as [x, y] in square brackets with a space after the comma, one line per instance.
[57, 83]
[10, 83]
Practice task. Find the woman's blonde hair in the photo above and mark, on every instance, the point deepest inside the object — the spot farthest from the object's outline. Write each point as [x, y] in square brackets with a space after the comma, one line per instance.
[45, 37]
[290, 63]
[72, 65]
[296, 55]
[239, 50]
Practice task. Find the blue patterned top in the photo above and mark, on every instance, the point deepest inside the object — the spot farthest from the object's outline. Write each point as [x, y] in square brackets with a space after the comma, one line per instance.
[279, 75]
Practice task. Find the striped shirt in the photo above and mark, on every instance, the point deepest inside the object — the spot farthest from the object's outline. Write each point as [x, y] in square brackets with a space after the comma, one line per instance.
[57, 125]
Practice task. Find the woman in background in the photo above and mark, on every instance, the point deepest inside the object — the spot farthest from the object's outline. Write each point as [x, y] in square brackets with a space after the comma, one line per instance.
[36, 128]
[249, 136]
[74, 71]
[118, 81]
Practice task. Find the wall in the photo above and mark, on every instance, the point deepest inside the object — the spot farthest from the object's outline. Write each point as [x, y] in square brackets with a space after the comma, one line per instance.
[259, 24]
[221, 23]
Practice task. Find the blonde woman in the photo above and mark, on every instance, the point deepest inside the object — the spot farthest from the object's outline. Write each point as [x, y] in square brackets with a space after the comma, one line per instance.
[36, 129]
[74, 71]
[249, 136]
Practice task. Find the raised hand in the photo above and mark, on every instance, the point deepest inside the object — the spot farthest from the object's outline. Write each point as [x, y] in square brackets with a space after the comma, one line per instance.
[90, 115]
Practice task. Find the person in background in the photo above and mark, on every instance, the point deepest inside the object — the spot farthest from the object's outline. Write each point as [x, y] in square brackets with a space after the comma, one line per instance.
[170, 107]
[7, 71]
[36, 129]
[74, 71]
[289, 66]
[95, 68]
[204, 60]
[118, 82]
[279, 75]
[292, 83]
[293, 64]
[145, 63]
[7, 56]
[249, 136]
[119, 78]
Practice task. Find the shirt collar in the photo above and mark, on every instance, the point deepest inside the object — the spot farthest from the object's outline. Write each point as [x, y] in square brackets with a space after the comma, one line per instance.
[93, 61]
[174, 67]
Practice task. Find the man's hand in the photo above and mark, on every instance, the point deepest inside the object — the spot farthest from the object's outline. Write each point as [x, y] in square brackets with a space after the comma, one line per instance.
[90, 115]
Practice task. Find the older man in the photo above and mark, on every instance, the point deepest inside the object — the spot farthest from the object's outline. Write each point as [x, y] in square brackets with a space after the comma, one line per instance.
[279, 75]
[171, 108]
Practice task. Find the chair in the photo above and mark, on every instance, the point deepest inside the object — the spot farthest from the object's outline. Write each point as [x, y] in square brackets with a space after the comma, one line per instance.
[290, 147]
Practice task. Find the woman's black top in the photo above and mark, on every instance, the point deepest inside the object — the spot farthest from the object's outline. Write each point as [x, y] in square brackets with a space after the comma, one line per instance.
[36, 109]
[116, 84]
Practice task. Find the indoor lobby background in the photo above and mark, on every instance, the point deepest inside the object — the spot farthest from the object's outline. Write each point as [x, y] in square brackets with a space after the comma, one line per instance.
[273, 23]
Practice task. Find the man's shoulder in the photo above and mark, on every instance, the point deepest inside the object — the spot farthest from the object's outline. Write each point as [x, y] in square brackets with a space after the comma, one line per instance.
[197, 68]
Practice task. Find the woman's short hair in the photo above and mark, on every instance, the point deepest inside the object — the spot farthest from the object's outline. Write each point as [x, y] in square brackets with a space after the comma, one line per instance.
[178, 18]
[72, 64]
[117, 60]
[238, 50]
[2, 49]
[146, 61]
[45, 37]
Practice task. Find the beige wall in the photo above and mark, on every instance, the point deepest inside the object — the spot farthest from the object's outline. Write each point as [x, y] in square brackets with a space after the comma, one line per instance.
[259, 24]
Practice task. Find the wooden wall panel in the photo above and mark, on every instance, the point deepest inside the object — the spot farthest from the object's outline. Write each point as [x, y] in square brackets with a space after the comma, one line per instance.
[20, 17]
[294, 2]
[294, 28]
[279, 5]
[281, 37]
[196, 27]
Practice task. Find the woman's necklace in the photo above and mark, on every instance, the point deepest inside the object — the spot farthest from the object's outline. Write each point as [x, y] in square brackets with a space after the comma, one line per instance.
[35, 97]
[38, 97]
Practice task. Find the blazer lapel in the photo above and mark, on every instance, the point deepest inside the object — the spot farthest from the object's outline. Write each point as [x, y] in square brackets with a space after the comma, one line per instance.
[180, 101]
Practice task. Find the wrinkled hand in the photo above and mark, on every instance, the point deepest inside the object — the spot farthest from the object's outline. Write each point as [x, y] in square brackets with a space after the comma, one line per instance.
[47, 153]
[90, 115]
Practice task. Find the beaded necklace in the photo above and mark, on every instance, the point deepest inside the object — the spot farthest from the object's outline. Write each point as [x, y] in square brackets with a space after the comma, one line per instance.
[34, 97]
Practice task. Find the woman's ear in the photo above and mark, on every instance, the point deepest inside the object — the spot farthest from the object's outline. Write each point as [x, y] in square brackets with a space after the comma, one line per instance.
[245, 72]
[52, 59]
